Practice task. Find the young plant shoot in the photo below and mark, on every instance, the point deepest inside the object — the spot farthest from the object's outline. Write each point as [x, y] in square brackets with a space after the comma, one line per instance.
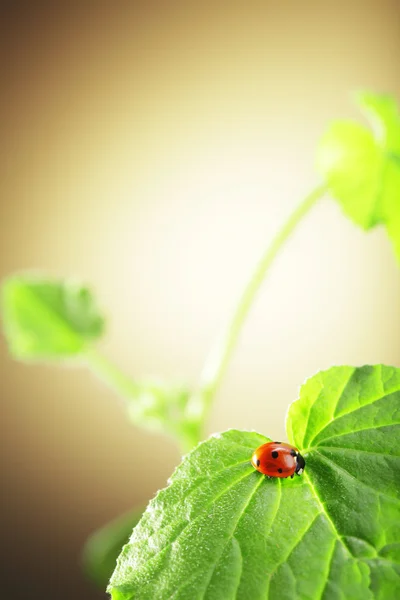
[245, 517]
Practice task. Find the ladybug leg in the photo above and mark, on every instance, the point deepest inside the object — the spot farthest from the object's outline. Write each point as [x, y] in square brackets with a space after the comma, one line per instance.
[291, 477]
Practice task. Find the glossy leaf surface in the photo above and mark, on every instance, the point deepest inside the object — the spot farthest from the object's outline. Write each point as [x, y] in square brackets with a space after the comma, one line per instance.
[223, 531]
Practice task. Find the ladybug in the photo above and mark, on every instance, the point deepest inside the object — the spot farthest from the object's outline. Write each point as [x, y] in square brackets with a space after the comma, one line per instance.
[277, 459]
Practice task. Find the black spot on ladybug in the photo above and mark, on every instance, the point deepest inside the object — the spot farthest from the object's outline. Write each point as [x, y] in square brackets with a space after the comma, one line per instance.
[279, 470]
[277, 442]
[293, 452]
[274, 454]
[258, 462]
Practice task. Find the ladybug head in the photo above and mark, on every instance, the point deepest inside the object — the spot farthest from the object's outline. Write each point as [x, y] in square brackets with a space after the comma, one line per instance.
[300, 464]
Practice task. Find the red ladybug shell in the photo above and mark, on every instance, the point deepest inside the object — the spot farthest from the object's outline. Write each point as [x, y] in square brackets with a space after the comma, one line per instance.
[277, 459]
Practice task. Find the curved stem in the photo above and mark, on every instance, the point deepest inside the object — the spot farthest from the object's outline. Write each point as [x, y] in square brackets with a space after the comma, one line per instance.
[221, 353]
[129, 389]
[110, 374]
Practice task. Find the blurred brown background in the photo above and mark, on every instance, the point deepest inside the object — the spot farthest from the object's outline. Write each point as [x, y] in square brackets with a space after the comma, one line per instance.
[153, 149]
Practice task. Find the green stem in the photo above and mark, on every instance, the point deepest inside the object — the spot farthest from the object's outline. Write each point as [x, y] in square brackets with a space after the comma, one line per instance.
[110, 374]
[221, 353]
[113, 377]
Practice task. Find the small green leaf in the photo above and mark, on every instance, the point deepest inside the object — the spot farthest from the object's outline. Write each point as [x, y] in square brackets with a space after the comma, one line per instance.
[104, 545]
[48, 319]
[160, 406]
[222, 531]
[361, 165]
[155, 404]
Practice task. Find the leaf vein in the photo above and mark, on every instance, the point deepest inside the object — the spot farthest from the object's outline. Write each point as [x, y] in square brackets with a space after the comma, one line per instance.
[292, 549]
[339, 469]
[329, 569]
[338, 399]
[193, 489]
[232, 533]
[343, 449]
[173, 541]
[327, 515]
[343, 433]
[352, 412]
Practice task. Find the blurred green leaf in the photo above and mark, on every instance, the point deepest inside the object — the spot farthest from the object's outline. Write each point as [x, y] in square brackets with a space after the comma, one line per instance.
[161, 406]
[48, 319]
[155, 404]
[361, 165]
[223, 531]
[104, 545]
[57, 319]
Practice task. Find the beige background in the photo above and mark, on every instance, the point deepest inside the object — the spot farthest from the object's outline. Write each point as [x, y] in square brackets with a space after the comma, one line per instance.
[153, 149]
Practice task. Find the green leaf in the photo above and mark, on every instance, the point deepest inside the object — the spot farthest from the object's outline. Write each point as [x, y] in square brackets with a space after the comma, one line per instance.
[155, 404]
[160, 406]
[361, 165]
[48, 319]
[104, 545]
[222, 531]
